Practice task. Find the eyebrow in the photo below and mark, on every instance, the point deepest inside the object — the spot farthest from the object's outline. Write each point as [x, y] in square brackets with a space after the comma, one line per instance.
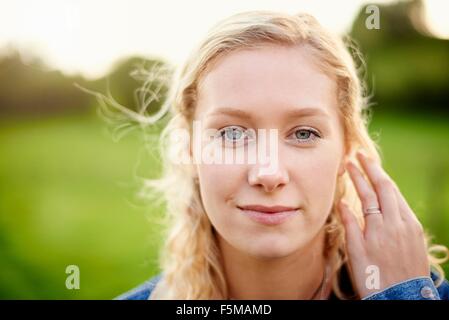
[292, 113]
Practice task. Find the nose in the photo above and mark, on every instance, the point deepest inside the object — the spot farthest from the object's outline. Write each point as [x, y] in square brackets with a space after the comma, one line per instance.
[269, 181]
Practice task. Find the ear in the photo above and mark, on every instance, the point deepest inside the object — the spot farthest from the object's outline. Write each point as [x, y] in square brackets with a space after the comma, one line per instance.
[341, 167]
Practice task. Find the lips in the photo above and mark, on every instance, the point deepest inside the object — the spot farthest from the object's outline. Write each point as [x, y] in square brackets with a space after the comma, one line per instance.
[266, 209]
[274, 215]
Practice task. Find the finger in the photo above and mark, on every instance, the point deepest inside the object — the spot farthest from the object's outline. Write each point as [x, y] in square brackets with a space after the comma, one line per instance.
[353, 233]
[383, 186]
[367, 197]
[406, 212]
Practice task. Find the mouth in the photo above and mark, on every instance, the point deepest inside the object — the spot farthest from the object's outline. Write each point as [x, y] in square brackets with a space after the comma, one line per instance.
[269, 215]
[265, 209]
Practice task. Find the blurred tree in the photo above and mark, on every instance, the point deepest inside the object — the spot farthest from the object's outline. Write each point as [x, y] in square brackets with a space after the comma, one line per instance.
[34, 89]
[407, 67]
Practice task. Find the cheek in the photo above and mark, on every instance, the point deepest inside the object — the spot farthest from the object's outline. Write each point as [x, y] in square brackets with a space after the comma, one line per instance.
[218, 183]
[316, 174]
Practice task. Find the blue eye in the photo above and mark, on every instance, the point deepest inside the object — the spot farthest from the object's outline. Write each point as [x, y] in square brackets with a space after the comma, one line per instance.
[305, 135]
[234, 135]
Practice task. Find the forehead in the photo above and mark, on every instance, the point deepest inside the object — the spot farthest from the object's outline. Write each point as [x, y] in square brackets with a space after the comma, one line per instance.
[266, 80]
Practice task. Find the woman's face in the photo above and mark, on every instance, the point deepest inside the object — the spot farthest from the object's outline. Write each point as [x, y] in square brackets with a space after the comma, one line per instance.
[270, 88]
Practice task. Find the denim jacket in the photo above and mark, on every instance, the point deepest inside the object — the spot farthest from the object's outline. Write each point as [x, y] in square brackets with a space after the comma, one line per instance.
[420, 288]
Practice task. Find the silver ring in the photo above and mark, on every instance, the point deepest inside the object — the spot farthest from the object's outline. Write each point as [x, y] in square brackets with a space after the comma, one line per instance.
[372, 210]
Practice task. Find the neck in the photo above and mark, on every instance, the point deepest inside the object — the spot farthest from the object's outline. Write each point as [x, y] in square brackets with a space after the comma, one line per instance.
[296, 276]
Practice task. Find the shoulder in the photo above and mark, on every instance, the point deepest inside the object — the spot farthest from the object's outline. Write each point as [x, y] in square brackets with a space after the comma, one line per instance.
[142, 291]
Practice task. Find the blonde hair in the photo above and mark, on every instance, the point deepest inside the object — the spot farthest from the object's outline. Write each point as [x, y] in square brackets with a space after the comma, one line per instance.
[190, 259]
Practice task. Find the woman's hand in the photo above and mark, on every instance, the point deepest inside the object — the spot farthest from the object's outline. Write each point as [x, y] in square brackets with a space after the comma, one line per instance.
[393, 241]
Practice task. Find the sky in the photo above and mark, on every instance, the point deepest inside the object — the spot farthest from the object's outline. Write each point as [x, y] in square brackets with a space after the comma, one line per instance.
[89, 36]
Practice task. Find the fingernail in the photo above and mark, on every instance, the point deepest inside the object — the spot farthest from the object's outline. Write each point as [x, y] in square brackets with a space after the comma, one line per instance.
[364, 155]
[349, 165]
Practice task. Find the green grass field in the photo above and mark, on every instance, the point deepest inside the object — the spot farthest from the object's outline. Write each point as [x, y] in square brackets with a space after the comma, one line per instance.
[67, 196]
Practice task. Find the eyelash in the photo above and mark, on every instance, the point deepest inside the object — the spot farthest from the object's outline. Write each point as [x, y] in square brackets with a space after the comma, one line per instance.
[315, 134]
[221, 133]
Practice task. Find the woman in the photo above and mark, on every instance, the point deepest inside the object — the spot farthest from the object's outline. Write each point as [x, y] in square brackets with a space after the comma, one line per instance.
[320, 219]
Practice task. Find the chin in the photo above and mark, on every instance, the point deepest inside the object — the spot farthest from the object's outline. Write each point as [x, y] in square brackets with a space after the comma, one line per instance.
[270, 248]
